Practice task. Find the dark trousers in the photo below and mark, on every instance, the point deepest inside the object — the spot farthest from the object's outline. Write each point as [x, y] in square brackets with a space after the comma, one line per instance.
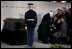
[30, 36]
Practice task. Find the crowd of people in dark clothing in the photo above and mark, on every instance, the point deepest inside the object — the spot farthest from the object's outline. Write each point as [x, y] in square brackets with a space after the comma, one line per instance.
[53, 23]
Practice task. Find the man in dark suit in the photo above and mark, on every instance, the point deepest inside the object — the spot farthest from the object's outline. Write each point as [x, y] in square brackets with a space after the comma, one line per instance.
[65, 16]
[69, 27]
[30, 21]
[47, 28]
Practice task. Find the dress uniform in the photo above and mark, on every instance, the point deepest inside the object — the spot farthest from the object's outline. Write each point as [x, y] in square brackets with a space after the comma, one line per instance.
[30, 21]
